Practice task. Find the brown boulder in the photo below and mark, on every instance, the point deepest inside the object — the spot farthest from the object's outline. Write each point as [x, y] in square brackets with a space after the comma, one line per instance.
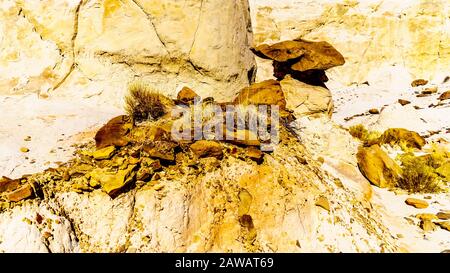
[113, 182]
[264, 93]
[417, 203]
[207, 148]
[403, 102]
[281, 52]
[164, 150]
[303, 55]
[254, 154]
[394, 136]
[430, 90]
[318, 56]
[445, 95]
[444, 225]
[443, 215]
[418, 82]
[7, 184]
[20, 194]
[186, 95]
[114, 133]
[377, 166]
[374, 111]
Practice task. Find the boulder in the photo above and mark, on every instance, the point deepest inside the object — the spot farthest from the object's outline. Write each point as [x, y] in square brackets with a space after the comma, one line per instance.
[323, 203]
[377, 166]
[186, 95]
[164, 150]
[443, 215]
[254, 154]
[403, 102]
[374, 111]
[114, 133]
[305, 100]
[307, 55]
[112, 182]
[264, 93]
[105, 153]
[280, 52]
[207, 148]
[7, 184]
[444, 225]
[417, 203]
[419, 82]
[445, 96]
[399, 136]
[426, 216]
[21, 193]
[430, 90]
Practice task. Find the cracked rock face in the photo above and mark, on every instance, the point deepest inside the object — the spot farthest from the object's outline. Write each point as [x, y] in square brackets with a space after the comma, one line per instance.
[87, 44]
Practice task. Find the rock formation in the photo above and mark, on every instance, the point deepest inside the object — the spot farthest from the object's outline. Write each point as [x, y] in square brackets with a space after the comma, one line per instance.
[91, 44]
[384, 42]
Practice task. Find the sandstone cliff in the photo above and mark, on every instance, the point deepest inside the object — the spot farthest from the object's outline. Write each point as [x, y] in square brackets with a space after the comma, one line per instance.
[99, 46]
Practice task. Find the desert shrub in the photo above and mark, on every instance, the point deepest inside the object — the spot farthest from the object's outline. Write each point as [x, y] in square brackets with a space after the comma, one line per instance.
[367, 137]
[417, 175]
[145, 103]
[358, 131]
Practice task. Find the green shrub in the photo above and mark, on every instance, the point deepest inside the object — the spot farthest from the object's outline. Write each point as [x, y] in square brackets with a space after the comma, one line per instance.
[369, 138]
[417, 175]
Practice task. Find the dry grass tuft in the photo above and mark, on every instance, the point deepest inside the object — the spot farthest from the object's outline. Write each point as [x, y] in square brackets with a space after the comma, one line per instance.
[145, 103]
[367, 137]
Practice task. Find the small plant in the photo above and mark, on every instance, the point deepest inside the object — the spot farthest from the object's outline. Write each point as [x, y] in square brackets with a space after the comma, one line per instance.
[367, 137]
[418, 176]
[144, 103]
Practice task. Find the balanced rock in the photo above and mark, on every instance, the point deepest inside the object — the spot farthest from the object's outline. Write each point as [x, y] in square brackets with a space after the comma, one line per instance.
[280, 52]
[377, 166]
[426, 216]
[427, 226]
[308, 55]
[207, 148]
[417, 203]
[114, 133]
[394, 136]
[305, 100]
